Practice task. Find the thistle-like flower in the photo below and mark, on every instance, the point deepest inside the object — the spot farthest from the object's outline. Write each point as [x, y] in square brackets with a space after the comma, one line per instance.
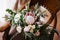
[30, 18]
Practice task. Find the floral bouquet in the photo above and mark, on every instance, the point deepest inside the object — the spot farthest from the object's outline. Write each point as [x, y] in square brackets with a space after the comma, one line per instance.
[31, 23]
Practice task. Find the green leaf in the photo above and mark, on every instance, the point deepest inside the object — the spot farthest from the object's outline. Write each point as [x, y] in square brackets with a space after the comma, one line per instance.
[9, 11]
[55, 31]
[43, 27]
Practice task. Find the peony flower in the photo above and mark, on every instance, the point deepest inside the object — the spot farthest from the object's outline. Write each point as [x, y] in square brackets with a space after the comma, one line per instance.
[27, 29]
[19, 29]
[30, 18]
[37, 33]
[17, 17]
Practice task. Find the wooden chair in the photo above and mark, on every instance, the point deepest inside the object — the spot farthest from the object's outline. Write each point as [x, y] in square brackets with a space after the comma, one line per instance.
[52, 5]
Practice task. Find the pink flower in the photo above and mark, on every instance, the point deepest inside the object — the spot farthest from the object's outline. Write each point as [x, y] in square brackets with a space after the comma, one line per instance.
[8, 15]
[37, 33]
[30, 18]
[27, 29]
[19, 29]
[39, 23]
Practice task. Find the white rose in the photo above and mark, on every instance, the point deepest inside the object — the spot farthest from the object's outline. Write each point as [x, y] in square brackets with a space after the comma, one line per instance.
[30, 20]
[17, 17]
[27, 29]
[19, 29]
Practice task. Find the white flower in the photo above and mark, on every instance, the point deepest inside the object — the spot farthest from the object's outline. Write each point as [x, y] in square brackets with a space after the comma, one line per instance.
[49, 27]
[30, 20]
[19, 29]
[27, 29]
[39, 26]
[31, 27]
[42, 19]
[38, 14]
[17, 17]
[42, 9]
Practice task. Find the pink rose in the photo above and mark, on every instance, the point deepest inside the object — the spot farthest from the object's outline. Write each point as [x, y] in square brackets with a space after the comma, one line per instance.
[27, 29]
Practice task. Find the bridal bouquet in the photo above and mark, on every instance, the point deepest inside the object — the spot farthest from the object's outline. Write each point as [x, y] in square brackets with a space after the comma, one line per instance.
[31, 23]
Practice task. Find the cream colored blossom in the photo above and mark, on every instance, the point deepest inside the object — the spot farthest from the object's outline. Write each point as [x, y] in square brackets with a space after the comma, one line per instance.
[31, 27]
[17, 17]
[19, 29]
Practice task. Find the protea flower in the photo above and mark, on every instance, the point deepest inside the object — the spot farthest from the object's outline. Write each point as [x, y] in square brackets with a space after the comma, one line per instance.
[30, 18]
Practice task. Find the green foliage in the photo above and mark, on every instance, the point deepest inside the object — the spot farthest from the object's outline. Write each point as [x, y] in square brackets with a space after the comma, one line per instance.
[45, 34]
